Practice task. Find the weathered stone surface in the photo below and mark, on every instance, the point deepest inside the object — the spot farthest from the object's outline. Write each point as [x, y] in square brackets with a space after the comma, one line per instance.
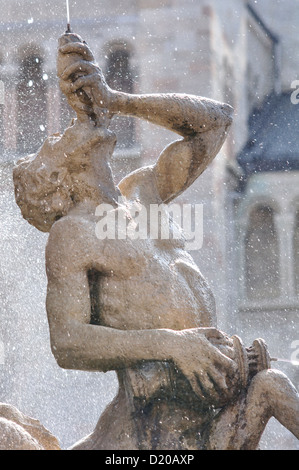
[20, 432]
[141, 306]
[14, 437]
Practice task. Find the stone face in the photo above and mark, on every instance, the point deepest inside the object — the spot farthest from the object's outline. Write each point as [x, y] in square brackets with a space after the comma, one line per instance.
[140, 306]
[20, 432]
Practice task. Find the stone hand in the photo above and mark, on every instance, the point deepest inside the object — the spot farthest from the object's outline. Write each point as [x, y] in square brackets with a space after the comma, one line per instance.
[220, 340]
[210, 372]
[83, 80]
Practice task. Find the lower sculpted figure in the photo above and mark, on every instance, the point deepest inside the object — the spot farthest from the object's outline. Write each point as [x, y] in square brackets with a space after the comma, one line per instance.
[142, 307]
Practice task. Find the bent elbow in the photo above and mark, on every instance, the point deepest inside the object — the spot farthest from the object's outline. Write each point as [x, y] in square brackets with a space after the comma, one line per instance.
[64, 356]
[64, 350]
[69, 355]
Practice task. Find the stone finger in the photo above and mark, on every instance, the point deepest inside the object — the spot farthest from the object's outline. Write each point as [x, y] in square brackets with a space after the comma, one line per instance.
[224, 362]
[197, 389]
[77, 67]
[219, 381]
[78, 106]
[77, 48]
[66, 87]
[88, 80]
[206, 384]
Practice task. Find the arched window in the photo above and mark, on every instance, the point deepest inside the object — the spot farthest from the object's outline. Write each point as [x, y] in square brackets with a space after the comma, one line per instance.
[262, 255]
[228, 83]
[119, 77]
[31, 101]
[296, 253]
[66, 113]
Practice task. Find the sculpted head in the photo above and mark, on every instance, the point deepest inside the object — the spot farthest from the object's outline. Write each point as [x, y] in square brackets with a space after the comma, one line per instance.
[43, 187]
[66, 170]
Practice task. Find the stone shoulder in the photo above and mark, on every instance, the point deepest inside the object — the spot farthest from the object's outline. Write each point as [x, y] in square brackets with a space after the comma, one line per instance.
[71, 244]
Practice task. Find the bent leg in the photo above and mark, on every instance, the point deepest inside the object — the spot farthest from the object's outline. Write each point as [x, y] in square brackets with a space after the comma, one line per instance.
[284, 400]
[240, 425]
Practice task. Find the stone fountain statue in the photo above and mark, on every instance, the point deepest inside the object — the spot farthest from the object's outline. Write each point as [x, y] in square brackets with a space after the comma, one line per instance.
[141, 307]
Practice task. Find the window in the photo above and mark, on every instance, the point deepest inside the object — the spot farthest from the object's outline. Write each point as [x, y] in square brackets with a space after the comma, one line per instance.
[31, 105]
[119, 77]
[228, 82]
[262, 255]
[66, 113]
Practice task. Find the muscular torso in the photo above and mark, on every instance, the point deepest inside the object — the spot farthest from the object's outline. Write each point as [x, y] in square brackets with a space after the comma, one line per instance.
[140, 284]
[151, 284]
[148, 284]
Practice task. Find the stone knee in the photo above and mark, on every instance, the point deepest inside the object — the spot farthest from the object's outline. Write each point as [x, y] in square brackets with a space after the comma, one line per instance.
[269, 387]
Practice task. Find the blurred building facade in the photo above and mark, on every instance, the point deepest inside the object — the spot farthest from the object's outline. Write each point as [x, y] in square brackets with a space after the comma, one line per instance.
[236, 51]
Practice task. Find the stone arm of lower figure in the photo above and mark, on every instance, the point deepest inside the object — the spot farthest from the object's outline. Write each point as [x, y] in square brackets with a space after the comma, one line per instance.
[203, 124]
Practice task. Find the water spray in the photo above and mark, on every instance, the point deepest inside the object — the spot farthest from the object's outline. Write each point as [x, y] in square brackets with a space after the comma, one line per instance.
[278, 359]
[68, 19]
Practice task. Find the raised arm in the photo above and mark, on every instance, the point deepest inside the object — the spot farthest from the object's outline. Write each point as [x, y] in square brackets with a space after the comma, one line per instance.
[202, 123]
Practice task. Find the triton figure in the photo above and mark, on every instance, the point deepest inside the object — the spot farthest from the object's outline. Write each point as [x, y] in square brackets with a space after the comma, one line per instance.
[142, 307]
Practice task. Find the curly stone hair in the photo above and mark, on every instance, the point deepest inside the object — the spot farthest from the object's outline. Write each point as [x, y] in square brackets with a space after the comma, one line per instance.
[43, 186]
